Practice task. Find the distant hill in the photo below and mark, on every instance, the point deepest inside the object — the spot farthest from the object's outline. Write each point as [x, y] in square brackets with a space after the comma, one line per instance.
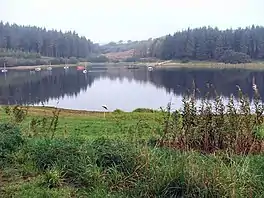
[124, 55]
[123, 50]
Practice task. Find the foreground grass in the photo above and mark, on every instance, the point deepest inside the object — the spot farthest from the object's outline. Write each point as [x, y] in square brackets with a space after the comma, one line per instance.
[92, 155]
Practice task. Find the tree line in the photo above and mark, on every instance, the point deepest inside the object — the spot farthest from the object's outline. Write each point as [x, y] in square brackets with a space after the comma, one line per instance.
[50, 43]
[207, 43]
[230, 46]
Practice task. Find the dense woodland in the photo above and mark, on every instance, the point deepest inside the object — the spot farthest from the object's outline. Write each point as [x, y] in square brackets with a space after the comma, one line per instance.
[50, 43]
[208, 43]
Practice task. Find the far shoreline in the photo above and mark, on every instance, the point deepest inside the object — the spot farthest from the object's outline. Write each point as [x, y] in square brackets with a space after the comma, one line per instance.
[157, 65]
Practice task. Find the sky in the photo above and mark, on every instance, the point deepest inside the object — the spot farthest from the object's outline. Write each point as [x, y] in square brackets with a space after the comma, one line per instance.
[103, 21]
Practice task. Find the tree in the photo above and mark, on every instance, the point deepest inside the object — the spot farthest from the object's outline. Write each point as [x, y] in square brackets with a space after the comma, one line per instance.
[46, 42]
[230, 56]
[209, 43]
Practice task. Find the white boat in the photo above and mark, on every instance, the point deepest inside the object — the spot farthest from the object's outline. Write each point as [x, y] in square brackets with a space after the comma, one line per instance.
[85, 70]
[49, 68]
[66, 66]
[4, 70]
[150, 68]
[37, 69]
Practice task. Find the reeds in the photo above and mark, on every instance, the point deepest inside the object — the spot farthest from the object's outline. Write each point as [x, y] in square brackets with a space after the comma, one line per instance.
[213, 126]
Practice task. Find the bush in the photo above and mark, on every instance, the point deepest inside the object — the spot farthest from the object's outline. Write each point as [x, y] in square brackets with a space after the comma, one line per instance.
[18, 54]
[115, 61]
[132, 59]
[82, 59]
[185, 60]
[144, 110]
[70, 157]
[230, 56]
[55, 61]
[82, 163]
[73, 60]
[41, 62]
[115, 154]
[52, 178]
[98, 59]
[118, 111]
[10, 139]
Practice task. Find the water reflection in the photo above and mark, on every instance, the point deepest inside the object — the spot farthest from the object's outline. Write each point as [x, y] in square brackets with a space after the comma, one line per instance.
[119, 88]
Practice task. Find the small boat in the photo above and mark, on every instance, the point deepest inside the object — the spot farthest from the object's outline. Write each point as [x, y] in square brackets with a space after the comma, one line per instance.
[37, 69]
[84, 71]
[66, 66]
[4, 70]
[49, 68]
[80, 67]
[150, 68]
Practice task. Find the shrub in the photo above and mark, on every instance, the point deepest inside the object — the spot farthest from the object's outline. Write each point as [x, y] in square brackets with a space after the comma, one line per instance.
[132, 59]
[118, 111]
[41, 62]
[55, 61]
[10, 139]
[16, 113]
[73, 60]
[98, 59]
[185, 60]
[52, 178]
[144, 110]
[115, 154]
[230, 56]
[82, 163]
[72, 157]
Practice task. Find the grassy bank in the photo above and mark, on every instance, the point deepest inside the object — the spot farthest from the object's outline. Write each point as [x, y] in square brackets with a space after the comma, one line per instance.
[39, 66]
[202, 151]
[159, 65]
[204, 64]
[192, 64]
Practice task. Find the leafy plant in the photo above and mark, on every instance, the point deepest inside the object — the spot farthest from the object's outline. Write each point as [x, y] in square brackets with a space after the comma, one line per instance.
[53, 178]
[10, 139]
[17, 113]
[213, 126]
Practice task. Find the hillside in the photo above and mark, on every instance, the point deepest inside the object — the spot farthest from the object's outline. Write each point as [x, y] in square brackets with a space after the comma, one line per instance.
[241, 45]
[120, 55]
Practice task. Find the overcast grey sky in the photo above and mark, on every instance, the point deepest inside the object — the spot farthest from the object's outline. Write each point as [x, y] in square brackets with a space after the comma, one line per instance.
[113, 20]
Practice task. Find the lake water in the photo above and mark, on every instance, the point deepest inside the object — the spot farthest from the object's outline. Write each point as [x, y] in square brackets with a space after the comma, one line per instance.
[120, 88]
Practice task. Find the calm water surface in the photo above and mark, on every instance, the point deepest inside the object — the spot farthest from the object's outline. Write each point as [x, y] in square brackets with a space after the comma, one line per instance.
[120, 88]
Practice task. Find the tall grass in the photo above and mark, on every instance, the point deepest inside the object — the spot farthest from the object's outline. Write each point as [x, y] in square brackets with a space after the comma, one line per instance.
[203, 150]
[213, 126]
